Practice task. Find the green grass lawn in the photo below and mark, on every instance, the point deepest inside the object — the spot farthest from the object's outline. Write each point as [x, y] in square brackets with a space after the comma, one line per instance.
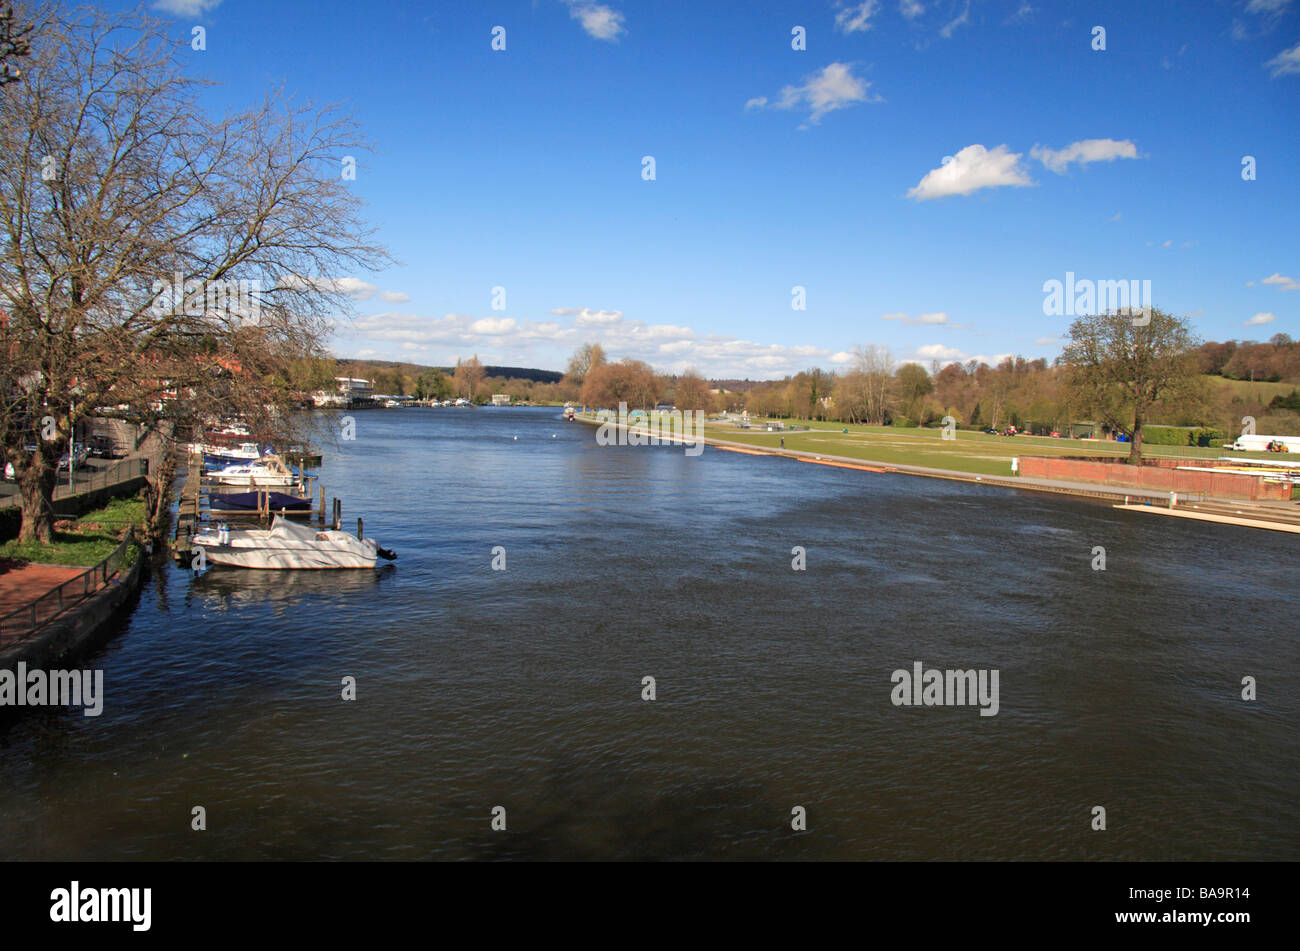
[968, 452]
[93, 538]
[1246, 390]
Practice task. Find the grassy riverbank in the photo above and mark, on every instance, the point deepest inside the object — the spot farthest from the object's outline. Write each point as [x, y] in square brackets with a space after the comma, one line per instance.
[88, 541]
[975, 452]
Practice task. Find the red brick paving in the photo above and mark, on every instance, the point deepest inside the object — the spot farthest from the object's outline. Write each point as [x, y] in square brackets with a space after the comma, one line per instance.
[22, 584]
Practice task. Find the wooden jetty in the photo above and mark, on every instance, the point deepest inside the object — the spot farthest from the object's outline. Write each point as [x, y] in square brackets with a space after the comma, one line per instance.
[192, 514]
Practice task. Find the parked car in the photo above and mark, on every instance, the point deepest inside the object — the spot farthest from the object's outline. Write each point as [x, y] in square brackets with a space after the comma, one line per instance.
[78, 458]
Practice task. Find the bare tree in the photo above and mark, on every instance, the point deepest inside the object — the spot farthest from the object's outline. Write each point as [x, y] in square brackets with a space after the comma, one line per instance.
[1121, 367]
[871, 376]
[468, 377]
[691, 392]
[156, 259]
[585, 359]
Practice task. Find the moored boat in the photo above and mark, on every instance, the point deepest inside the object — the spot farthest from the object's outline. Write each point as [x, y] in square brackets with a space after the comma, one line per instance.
[254, 501]
[267, 472]
[286, 545]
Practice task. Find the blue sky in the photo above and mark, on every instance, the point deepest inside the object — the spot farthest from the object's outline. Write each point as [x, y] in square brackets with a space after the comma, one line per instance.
[821, 168]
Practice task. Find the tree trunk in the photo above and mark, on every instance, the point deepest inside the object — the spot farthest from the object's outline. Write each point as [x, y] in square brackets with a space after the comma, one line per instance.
[36, 482]
[1135, 449]
[158, 494]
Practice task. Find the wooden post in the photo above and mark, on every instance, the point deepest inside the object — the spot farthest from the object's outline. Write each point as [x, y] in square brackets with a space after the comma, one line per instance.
[338, 514]
[360, 532]
[321, 488]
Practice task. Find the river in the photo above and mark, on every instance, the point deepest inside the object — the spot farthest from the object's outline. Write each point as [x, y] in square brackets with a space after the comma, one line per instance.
[523, 688]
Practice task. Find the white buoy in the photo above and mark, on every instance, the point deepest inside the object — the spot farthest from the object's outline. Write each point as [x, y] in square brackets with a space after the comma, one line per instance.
[516, 438]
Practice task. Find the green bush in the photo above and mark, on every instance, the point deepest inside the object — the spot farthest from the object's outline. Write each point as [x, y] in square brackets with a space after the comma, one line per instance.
[1166, 435]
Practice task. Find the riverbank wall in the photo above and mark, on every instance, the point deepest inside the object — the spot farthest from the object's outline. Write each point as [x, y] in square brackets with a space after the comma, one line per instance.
[81, 628]
[1158, 476]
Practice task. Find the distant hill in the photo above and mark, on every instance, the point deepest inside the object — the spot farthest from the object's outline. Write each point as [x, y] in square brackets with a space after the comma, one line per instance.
[360, 368]
[517, 373]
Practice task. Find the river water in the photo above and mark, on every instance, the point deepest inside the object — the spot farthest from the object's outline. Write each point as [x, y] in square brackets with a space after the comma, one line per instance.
[523, 688]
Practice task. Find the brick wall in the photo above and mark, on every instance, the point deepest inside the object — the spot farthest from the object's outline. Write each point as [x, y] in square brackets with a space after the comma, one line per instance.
[1160, 477]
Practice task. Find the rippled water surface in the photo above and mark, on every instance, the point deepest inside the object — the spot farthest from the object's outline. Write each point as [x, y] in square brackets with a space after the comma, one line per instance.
[522, 688]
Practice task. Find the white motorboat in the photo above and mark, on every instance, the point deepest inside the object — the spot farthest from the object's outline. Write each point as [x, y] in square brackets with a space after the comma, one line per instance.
[269, 472]
[286, 545]
[219, 455]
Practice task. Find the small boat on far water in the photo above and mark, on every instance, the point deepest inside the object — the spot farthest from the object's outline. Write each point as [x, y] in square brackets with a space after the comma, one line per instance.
[286, 545]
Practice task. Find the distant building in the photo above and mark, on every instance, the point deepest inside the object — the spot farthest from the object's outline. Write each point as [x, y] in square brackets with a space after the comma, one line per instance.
[349, 391]
[500, 399]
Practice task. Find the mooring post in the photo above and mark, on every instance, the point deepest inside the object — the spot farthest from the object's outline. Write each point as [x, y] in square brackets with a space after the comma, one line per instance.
[360, 532]
[338, 514]
[322, 503]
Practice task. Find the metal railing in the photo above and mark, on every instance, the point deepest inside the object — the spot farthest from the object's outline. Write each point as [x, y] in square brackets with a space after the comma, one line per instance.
[17, 626]
[123, 470]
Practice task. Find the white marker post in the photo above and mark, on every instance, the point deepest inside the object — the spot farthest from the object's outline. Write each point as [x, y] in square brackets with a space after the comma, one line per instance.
[1015, 465]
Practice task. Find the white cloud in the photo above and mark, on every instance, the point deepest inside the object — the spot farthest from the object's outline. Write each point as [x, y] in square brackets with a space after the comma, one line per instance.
[856, 18]
[1285, 63]
[842, 358]
[1283, 283]
[667, 347]
[585, 317]
[1083, 152]
[964, 17]
[833, 88]
[936, 318]
[186, 8]
[911, 9]
[394, 297]
[1267, 7]
[493, 326]
[600, 22]
[1021, 14]
[937, 351]
[1046, 341]
[1259, 319]
[971, 169]
[352, 287]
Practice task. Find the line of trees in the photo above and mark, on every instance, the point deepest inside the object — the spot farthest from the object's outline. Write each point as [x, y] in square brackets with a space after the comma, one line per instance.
[1119, 373]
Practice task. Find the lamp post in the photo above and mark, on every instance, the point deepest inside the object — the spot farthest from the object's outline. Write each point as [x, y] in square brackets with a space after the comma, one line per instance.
[72, 443]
